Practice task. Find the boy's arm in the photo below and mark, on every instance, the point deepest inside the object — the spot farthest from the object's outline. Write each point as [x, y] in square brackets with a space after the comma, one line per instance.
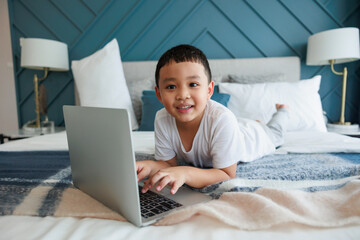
[199, 178]
[192, 176]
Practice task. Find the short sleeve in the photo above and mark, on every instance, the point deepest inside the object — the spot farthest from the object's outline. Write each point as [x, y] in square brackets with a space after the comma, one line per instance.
[163, 143]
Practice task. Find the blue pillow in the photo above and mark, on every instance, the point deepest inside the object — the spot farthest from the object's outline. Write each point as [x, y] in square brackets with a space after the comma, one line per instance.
[150, 105]
[222, 98]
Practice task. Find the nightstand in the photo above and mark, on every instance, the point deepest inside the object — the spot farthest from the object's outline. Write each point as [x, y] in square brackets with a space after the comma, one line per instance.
[21, 134]
[352, 131]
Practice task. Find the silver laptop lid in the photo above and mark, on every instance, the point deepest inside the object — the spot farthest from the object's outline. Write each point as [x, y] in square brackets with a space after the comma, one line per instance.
[102, 157]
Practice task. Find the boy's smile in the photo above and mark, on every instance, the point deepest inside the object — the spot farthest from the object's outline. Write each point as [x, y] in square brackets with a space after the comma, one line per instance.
[184, 90]
[184, 108]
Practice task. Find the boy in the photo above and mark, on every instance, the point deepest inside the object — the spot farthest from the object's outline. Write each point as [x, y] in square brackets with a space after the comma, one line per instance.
[196, 130]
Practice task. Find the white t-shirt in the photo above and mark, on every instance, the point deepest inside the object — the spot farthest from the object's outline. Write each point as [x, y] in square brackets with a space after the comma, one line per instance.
[218, 142]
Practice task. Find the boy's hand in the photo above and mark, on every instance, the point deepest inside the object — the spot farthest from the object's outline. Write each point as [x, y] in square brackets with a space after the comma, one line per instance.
[143, 169]
[177, 176]
[174, 176]
[149, 168]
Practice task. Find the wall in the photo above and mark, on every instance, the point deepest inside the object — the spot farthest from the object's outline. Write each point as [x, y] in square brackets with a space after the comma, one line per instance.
[8, 107]
[146, 28]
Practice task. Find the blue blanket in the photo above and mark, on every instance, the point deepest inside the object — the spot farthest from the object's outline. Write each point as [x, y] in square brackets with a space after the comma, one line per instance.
[20, 172]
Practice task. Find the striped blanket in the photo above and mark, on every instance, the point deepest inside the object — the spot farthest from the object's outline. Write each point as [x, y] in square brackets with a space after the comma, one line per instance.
[312, 189]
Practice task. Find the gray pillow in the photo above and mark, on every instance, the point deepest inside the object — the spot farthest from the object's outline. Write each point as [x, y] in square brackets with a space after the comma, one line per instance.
[250, 79]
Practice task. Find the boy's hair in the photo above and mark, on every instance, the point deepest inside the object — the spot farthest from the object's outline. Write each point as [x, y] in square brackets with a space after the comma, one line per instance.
[183, 53]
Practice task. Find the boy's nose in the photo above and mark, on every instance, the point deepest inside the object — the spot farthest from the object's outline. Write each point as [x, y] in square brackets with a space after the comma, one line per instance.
[182, 94]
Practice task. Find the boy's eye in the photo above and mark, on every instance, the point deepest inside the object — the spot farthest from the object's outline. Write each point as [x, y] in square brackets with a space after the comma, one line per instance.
[170, 87]
[194, 84]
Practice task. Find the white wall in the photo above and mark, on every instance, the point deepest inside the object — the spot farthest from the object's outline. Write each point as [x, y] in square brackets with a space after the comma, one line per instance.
[8, 111]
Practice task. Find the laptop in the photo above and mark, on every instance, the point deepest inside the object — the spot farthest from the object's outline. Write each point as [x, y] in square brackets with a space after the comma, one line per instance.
[103, 165]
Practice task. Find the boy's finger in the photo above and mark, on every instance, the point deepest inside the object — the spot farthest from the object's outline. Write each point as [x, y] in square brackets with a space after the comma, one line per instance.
[164, 181]
[141, 175]
[175, 187]
[139, 166]
[156, 178]
[146, 187]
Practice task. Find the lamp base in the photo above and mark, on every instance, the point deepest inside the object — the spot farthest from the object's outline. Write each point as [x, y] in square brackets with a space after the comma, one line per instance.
[45, 127]
[343, 128]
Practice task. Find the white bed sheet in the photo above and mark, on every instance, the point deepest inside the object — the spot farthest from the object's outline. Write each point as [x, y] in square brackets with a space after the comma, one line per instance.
[143, 142]
[19, 227]
[319, 142]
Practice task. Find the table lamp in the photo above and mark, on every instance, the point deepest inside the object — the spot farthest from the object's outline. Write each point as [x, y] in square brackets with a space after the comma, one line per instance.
[333, 47]
[47, 55]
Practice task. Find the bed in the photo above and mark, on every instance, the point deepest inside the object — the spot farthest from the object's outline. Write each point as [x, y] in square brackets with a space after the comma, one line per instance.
[309, 188]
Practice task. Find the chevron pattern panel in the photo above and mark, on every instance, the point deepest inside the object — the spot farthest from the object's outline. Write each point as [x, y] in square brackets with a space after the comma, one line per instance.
[146, 28]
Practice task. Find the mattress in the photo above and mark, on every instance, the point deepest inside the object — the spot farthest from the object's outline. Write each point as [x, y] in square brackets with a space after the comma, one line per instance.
[268, 179]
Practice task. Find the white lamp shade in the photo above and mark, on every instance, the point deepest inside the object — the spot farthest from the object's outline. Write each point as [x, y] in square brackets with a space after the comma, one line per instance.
[37, 53]
[340, 45]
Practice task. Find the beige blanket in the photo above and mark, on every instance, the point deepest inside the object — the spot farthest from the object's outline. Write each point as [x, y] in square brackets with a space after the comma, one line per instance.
[261, 209]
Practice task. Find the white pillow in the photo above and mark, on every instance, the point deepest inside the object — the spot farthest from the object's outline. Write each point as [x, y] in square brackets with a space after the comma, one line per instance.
[100, 80]
[257, 102]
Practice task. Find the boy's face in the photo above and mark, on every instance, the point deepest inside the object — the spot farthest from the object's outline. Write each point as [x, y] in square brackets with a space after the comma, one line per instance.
[184, 90]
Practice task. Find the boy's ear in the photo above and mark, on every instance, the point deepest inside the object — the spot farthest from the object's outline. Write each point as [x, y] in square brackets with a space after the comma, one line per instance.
[157, 91]
[211, 89]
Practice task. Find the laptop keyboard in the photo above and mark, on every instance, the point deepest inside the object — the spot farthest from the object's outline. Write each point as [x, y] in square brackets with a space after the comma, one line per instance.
[152, 204]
